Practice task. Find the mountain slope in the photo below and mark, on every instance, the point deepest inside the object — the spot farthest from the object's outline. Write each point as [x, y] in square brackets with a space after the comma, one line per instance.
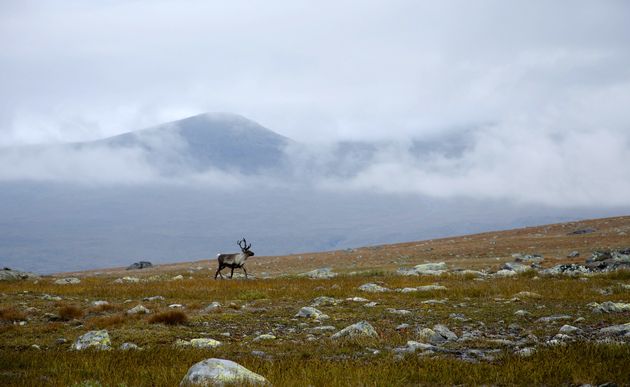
[218, 140]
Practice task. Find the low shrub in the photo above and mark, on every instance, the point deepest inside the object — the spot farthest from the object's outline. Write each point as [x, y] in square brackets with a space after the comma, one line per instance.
[171, 317]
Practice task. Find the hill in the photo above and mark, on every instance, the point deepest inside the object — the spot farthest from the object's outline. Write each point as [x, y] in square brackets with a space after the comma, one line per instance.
[495, 308]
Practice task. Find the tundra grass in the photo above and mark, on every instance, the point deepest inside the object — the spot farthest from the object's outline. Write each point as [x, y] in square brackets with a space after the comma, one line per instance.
[298, 357]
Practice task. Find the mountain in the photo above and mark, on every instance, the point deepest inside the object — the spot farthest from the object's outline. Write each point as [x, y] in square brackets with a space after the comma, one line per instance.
[212, 140]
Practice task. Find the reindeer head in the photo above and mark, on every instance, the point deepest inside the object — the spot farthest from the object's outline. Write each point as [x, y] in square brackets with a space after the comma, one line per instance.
[245, 247]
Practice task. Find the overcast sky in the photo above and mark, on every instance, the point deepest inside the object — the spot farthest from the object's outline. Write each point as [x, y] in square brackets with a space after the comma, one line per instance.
[546, 84]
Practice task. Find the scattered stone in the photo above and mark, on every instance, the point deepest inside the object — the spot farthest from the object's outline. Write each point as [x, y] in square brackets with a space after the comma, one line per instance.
[402, 327]
[357, 299]
[569, 329]
[99, 303]
[128, 280]
[214, 305]
[400, 312]
[176, 306]
[48, 297]
[370, 304]
[128, 346]
[407, 290]
[204, 343]
[438, 335]
[219, 372]
[310, 312]
[573, 254]
[457, 316]
[554, 318]
[528, 258]
[177, 278]
[473, 273]
[526, 294]
[138, 309]
[259, 353]
[413, 346]
[68, 281]
[373, 288]
[153, 298]
[610, 307]
[613, 330]
[567, 269]
[323, 273]
[325, 301]
[360, 329]
[435, 302]
[35, 346]
[93, 339]
[425, 269]
[7, 274]
[505, 273]
[428, 288]
[516, 267]
[526, 352]
[582, 231]
[264, 337]
[521, 313]
[139, 265]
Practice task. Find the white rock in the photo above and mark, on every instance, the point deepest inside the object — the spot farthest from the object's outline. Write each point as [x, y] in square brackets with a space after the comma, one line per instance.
[428, 288]
[219, 372]
[357, 299]
[373, 288]
[176, 306]
[93, 339]
[370, 304]
[68, 281]
[360, 329]
[569, 329]
[128, 346]
[265, 337]
[611, 307]
[138, 309]
[177, 278]
[214, 305]
[400, 312]
[324, 301]
[129, 280]
[99, 303]
[310, 312]
[505, 273]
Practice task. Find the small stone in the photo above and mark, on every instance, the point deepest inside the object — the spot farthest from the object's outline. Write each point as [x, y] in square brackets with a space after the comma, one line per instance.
[310, 312]
[214, 305]
[138, 309]
[569, 329]
[177, 278]
[526, 352]
[129, 280]
[360, 329]
[554, 318]
[35, 346]
[139, 265]
[323, 273]
[324, 301]
[100, 303]
[402, 327]
[373, 288]
[265, 337]
[48, 297]
[428, 288]
[321, 329]
[128, 346]
[204, 343]
[521, 313]
[370, 304]
[505, 273]
[176, 306]
[400, 312]
[153, 298]
[220, 372]
[68, 281]
[357, 299]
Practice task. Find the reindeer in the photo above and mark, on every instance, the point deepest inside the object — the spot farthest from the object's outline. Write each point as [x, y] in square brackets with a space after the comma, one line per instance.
[236, 260]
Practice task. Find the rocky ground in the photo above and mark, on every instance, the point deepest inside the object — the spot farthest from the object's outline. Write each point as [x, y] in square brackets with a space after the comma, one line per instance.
[544, 305]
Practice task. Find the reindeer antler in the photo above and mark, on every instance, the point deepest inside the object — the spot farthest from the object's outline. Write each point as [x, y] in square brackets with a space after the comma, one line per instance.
[243, 244]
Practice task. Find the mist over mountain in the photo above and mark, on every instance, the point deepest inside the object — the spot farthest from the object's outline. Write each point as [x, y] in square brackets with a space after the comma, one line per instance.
[188, 189]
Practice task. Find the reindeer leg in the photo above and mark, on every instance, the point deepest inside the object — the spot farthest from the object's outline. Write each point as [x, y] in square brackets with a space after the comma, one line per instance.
[243, 267]
[218, 272]
[232, 272]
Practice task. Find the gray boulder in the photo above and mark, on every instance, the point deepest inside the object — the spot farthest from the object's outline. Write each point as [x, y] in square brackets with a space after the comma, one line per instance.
[93, 339]
[139, 265]
[434, 268]
[325, 301]
[360, 329]
[219, 372]
[611, 307]
[614, 330]
[7, 274]
[516, 267]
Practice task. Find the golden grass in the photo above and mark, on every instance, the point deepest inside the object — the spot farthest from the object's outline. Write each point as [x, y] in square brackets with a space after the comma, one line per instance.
[11, 314]
[70, 312]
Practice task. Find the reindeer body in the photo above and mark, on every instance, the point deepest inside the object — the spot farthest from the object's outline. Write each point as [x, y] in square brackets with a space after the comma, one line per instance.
[234, 261]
